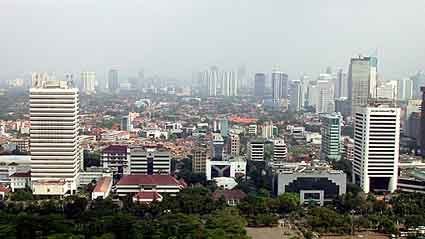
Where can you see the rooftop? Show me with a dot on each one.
(103, 184)
(21, 175)
(116, 148)
(149, 180)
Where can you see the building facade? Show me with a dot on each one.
(260, 85)
(376, 148)
(88, 82)
(331, 137)
(149, 161)
(54, 136)
(279, 86)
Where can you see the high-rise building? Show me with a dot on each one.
(54, 136)
(418, 81)
(343, 106)
(405, 89)
(321, 96)
(256, 150)
(411, 119)
(260, 85)
(200, 156)
(331, 137)
(211, 79)
(268, 130)
(297, 96)
(235, 145)
(113, 82)
(88, 82)
(217, 147)
(341, 84)
(279, 86)
(362, 80)
(376, 148)
(229, 83)
(422, 129)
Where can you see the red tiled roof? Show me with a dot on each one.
(149, 180)
(3, 189)
(21, 174)
(229, 194)
(116, 149)
(151, 195)
(102, 184)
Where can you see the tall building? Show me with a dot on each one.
(54, 136)
(297, 96)
(279, 86)
(211, 79)
(331, 137)
(321, 96)
(405, 89)
(422, 129)
(268, 130)
(113, 83)
(260, 85)
(376, 148)
(229, 83)
(418, 81)
(362, 80)
(217, 147)
(343, 106)
(341, 84)
(200, 156)
(88, 82)
(235, 145)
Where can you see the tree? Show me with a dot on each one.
(226, 223)
(288, 202)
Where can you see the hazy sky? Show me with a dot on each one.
(178, 37)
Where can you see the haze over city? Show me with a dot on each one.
(176, 38)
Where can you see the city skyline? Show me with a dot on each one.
(175, 40)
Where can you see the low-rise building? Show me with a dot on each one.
(103, 188)
(232, 167)
(232, 197)
(133, 184)
(94, 173)
(313, 185)
(20, 180)
(116, 157)
(149, 161)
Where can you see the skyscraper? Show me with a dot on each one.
(331, 137)
(113, 83)
(211, 77)
(418, 80)
(341, 84)
(376, 148)
(260, 84)
(54, 137)
(279, 86)
(297, 96)
(405, 89)
(321, 96)
(229, 84)
(88, 82)
(362, 80)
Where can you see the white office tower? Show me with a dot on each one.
(331, 137)
(88, 82)
(296, 103)
(268, 130)
(280, 151)
(211, 77)
(362, 80)
(229, 84)
(279, 86)
(54, 136)
(405, 89)
(341, 84)
(376, 148)
(321, 95)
